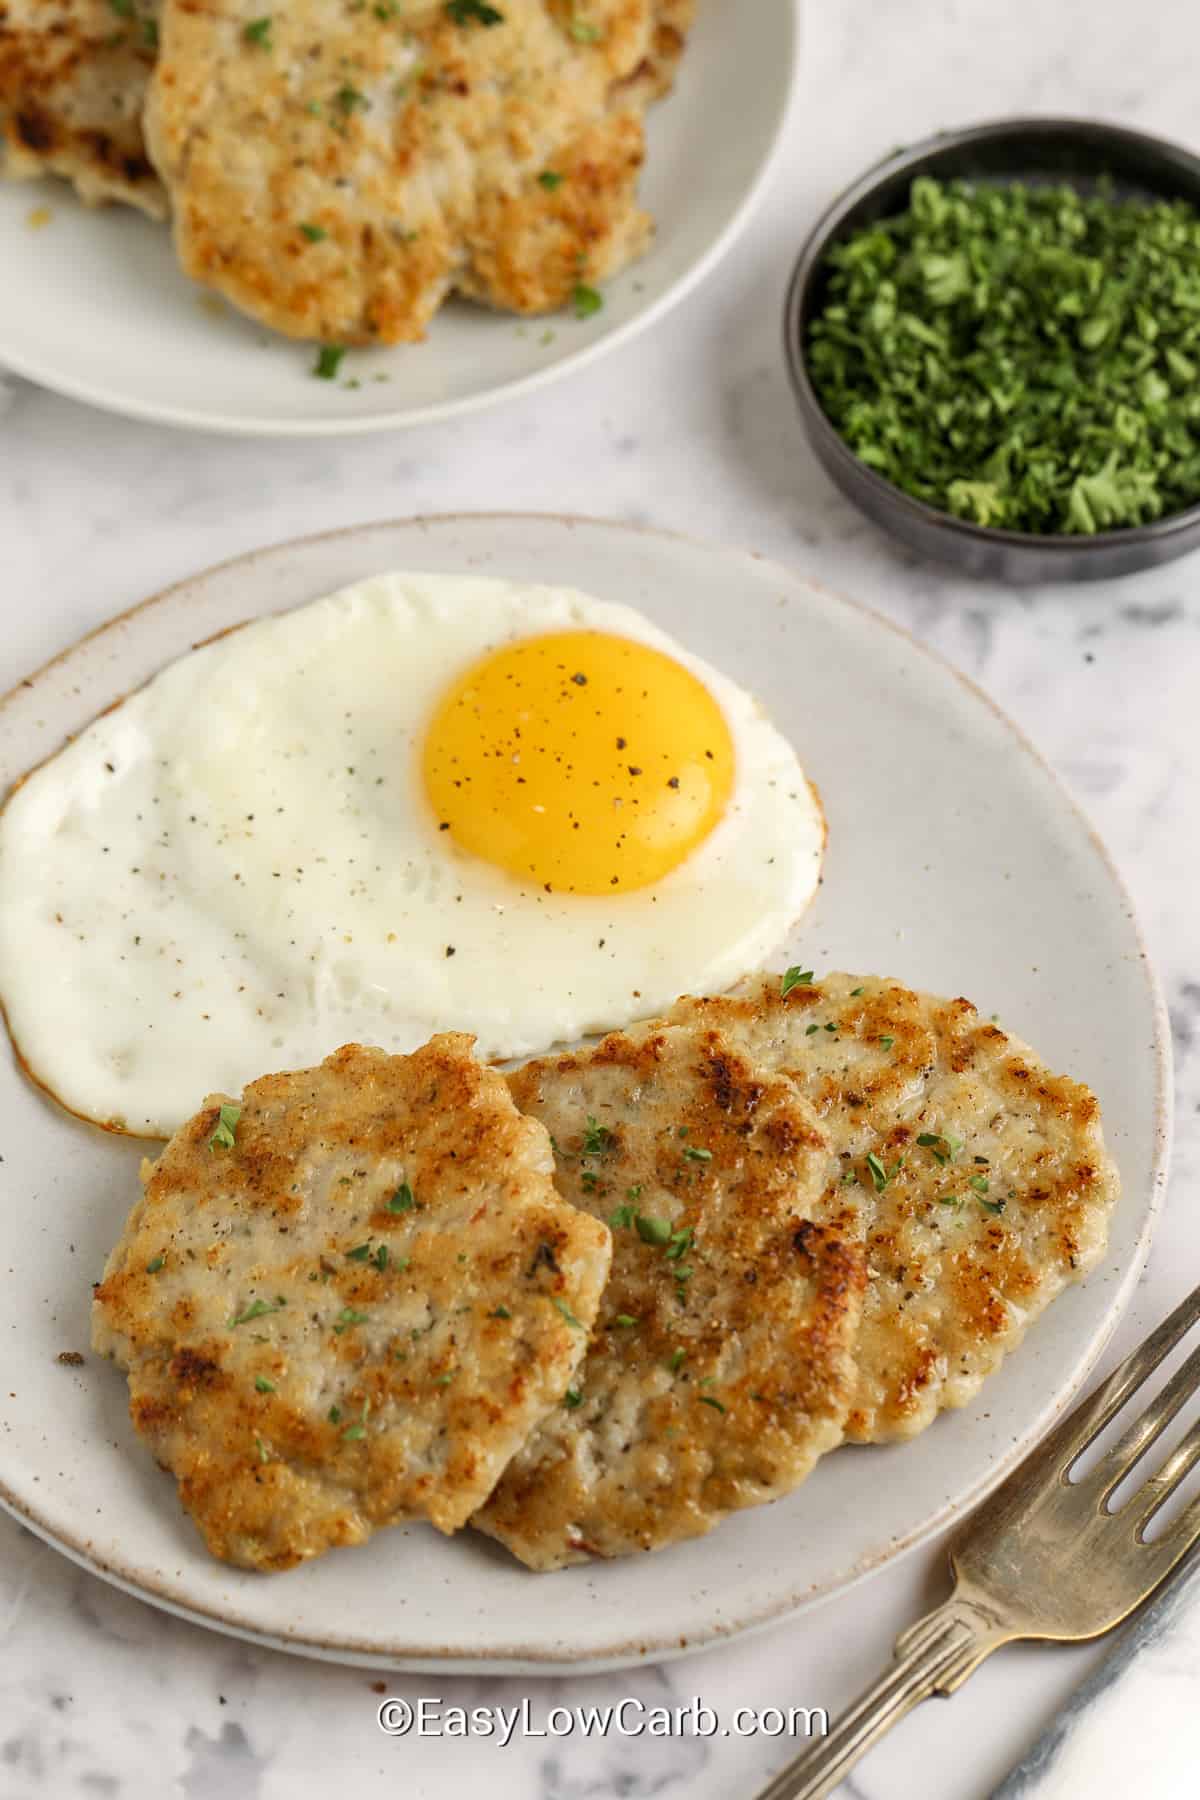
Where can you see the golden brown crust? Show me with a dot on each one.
(354, 1314)
(530, 246)
(73, 76)
(655, 74)
(721, 1364)
(339, 174)
(970, 1235)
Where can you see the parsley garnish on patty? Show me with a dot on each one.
(464, 11)
(224, 1133)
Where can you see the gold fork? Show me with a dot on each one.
(1043, 1558)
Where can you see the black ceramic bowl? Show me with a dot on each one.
(1077, 151)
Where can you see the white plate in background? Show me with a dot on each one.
(956, 862)
(94, 305)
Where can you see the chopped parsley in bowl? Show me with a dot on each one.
(1002, 330)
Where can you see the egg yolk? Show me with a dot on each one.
(588, 763)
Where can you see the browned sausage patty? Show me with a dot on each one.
(721, 1363)
(982, 1179)
(336, 170)
(73, 80)
(349, 1304)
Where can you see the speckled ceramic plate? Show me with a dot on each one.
(94, 305)
(956, 862)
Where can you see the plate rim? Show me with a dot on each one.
(531, 1659)
(103, 399)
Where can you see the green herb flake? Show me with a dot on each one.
(348, 1317)
(653, 1231)
(566, 1312)
(621, 1217)
(500, 1312)
(329, 361)
(258, 1309)
(225, 1130)
(263, 1385)
(586, 300)
(979, 1183)
(464, 12)
(155, 1264)
(258, 31)
(811, 1030)
(550, 179)
(359, 1253)
(597, 1139)
(941, 1149)
(402, 1200)
(264, 1455)
(711, 1400)
(150, 33)
(878, 1173)
(314, 233)
(677, 1359)
(885, 1043)
(794, 978)
(122, 8)
(625, 1321)
(995, 1207)
(694, 1153)
(334, 1415)
(855, 992)
(572, 1398)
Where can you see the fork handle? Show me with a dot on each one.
(934, 1656)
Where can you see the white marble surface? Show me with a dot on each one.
(690, 428)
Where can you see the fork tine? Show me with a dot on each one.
(1112, 1468)
(1080, 1428)
(1063, 1445)
(1181, 1536)
(1162, 1484)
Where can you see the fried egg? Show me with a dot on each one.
(426, 803)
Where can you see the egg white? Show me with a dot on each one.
(237, 870)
